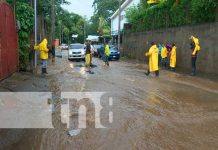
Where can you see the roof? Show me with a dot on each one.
(123, 6)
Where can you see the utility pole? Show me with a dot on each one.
(61, 40)
(35, 26)
(119, 19)
(84, 28)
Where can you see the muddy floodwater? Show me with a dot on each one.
(174, 111)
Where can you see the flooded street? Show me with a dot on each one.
(173, 111)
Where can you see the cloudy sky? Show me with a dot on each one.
(81, 7)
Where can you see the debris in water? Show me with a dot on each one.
(74, 132)
(90, 72)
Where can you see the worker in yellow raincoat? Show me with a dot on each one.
(153, 59)
(195, 47)
(164, 56)
(173, 58)
(42, 47)
(106, 53)
(88, 56)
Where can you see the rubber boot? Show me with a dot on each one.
(193, 72)
(43, 70)
(46, 71)
(147, 73)
(157, 73)
(173, 69)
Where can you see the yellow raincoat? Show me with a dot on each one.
(88, 59)
(107, 50)
(42, 47)
(197, 45)
(164, 52)
(173, 57)
(153, 58)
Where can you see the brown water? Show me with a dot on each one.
(170, 112)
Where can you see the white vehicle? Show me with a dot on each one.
(64, 46)
(76, 51)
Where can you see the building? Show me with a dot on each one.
(115, 18)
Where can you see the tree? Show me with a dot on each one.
(104, 9)
(171, 13)
(26, 22)
(103, 28)
(74, 24)
(64, 22)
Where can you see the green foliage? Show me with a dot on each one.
(26, 22)
(203, 11)
(92, 26)
(168, 13)
(21, 1)
(104, 9)
(25, 14)
(69, 23)
(103, 27)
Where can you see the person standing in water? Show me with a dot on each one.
(153, 59)
(92, 53)
(88, 56)
(42, 47)
(160, 47)
(173, 57)
(164, 57)
(53, 53)
(106, 53)
(195, 47)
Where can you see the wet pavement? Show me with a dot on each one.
(173, 111)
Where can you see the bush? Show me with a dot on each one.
(25, 14)
(169, 13)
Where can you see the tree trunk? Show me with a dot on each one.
(43, 27)
(217, 11)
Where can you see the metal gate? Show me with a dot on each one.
(8, 41)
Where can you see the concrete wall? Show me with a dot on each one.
(135, 45)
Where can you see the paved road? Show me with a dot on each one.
(173, 111)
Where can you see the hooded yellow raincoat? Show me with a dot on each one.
(164, 52)
(153, 58)
(197, 45)
(173, 57)
(42, 47)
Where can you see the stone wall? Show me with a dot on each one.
(136, 44)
